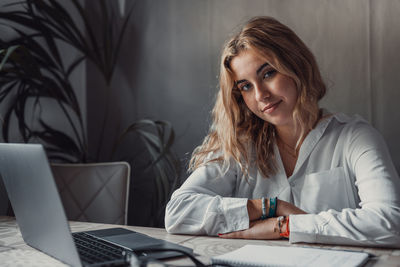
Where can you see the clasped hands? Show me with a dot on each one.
(263, 229)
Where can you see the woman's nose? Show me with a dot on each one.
(262, 92)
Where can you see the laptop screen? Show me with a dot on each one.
(33, 194)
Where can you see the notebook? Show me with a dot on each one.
(40, 215)
(259, 255)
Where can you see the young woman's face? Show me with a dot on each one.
(267, 93)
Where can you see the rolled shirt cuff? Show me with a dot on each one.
(305, 227)
(236, 214)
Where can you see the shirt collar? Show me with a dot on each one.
(315, 135)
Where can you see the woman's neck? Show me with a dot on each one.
(288, 136)
(292, 135)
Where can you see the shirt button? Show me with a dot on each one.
(292, 183)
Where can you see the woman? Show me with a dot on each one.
(276, 165)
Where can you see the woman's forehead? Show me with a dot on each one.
(249, 60)
(263, 55)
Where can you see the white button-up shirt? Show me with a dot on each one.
(344, 178)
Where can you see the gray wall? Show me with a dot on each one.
(170, 61)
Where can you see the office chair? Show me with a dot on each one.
(94, 192)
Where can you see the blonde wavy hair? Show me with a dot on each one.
(236, 133)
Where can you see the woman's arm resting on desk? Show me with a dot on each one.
(203, 204)
(260, 229)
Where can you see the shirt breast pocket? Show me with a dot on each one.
(324, 190)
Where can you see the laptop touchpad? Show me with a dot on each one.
(134, 240)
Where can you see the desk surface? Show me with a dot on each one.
(13, 250)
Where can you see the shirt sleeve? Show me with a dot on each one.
(377, 220)
(204, 204)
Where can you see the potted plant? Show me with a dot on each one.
(33, 75)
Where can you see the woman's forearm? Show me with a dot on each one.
(254, 208)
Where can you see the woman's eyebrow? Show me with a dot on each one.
(266, 64)
(240, 81)
(262, 67)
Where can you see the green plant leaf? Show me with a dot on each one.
(94, 53)
(45, 31)
(74, 64)
(60, 23)
(7, 52)
(121, 36)
(58, 139)
(6, 89)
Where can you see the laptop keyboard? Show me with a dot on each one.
(93, 250)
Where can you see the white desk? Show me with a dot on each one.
(14, 252)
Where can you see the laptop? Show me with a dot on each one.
(40, 215)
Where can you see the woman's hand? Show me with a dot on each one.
(263, 229)
(260, 229)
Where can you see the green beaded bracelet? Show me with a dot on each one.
(272, 207)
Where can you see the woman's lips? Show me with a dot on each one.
(271, 107)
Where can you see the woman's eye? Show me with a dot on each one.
(245, 87)
(269, 74)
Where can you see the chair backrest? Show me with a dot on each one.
(94, 192)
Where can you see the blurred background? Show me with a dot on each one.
(168, 65)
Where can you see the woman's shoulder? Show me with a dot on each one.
(354, 129)
(349, 122)
(348, 127)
